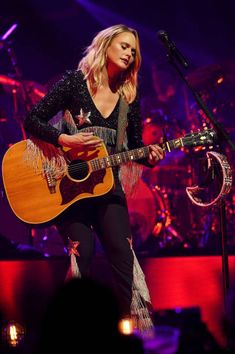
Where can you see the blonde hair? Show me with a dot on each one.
(94, 61)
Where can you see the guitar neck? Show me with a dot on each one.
(132, 155)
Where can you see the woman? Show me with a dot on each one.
(90, 99)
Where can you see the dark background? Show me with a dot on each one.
(51, 35)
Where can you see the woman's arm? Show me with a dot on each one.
(57, 99)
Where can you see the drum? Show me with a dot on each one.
(148, 212)
(13, 108)
(152, 133)
(171, 174)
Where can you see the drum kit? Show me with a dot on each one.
(15, 95)
(162, 214)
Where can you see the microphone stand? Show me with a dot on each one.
(225, 138)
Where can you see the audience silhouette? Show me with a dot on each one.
(83, 316)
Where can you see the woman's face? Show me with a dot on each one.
(121, 52)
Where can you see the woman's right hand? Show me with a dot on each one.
(82, 140)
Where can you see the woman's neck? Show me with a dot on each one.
(111, 80)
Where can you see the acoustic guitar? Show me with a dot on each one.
(36, 197)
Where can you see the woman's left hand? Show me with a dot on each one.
(156, 153)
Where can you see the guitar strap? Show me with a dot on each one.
(122, 123)
(129, 172)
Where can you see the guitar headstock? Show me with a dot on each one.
(203, 137)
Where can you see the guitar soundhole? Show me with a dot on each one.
(78, 169)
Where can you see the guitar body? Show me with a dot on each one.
(28, 192)
(37, 198)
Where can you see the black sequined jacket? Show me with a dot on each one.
(71, 93)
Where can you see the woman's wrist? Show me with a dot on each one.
(62, 139)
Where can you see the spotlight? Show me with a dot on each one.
(13, 333)
(126, 326)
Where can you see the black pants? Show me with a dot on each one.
(108, 216)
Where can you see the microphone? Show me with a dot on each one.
(172, 49)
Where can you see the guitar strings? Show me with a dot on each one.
(116, 158)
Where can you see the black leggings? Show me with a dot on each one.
(108, 216)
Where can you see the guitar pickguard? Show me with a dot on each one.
(70, 189)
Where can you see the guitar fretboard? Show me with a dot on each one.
(132, 155)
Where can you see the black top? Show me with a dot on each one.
(71, 93)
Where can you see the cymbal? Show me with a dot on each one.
(35, 90)
(5, 80)
(213, 75)
(8, 83)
